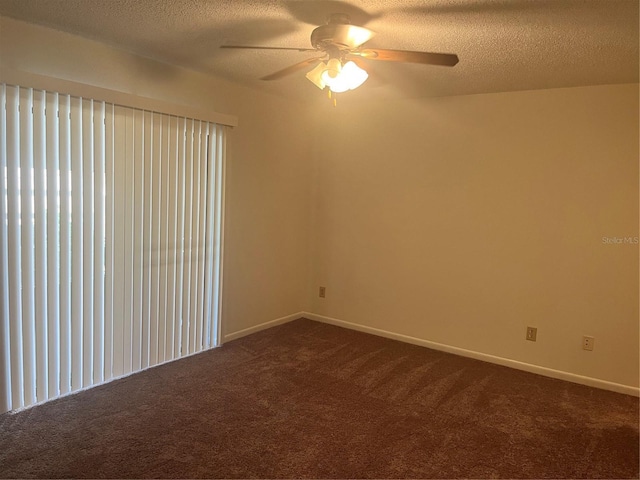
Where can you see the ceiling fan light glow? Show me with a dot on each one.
(339, 84)
(355, 76)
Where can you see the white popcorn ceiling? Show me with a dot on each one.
(503, 45)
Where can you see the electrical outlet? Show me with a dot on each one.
(587, 343)
(322, 291)
(532, 333)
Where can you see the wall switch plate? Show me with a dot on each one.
(587, 343)
(322, 291)
(532, 333)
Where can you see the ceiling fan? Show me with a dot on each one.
(341, 47)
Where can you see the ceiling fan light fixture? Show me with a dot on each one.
(339, 40)
(350, 77)
(337, 77)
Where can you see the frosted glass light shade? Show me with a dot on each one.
(337, 77)
(332, 72)
(355, 76)
(315, 75)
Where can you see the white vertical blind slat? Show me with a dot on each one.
(99, 241)
(138, 168)
(53, 244)
(146, 226)
(40, 236)
(77, 245)
(178, 247)
(121, 334)
(199, 241)
(88, 218)
(5, 318)
(109, 241)
(219, 228)
(188, 325)
(203, 231)
(172, 241)
(157, 324)
(15, 246)
(166, 280)
(27, 218)
(64, 118)
(209, 237)
(180, 327)
(129, 246)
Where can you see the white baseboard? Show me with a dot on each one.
(263, 326)
(527, 367)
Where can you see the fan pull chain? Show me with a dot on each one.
(335, 99)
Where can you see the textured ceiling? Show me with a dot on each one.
(503, 45)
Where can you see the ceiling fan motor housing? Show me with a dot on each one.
(339, 34)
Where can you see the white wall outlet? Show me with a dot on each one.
(532, 333)
(322, 291)
(587, 343)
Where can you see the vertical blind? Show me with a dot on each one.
(110, 241)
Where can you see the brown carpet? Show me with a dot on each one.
(312, 400)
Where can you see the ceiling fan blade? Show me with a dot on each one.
(427, 58)
(248, 47)
(292, 69)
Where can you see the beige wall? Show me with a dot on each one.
(462, 220)
(267, 203)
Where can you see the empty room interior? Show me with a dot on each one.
(319, 239)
